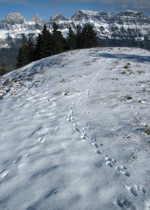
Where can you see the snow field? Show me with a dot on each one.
(75, 132)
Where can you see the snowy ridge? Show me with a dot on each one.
(129, 27)
(77, 132)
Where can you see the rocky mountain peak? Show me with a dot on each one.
(36, 18)
(14, 18)
(80, 15)
(57, 17)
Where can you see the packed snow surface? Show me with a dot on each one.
(75, 132)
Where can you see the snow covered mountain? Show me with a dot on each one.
(124, 28)
(75, 132)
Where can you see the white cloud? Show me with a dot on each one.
(138, 5)
(143, 6)
(133, 4)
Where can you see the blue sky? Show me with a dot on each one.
(68, 8)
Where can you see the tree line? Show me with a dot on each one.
(51, 43)
(3, 70)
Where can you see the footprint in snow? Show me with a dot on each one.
(83, 136)
(42, 140)
(4, 173)
(135, 190)
(123, 170)
(97, 151)
(125, 204)
(109, 161)
(17, 160)
(76, 129)
(100, 144)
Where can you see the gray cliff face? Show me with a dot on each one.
(112, 28)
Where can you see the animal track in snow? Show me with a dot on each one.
(123, 170)
(83, 136)
(123, 203)
(109, 161)
(4, 173)
(17, 160)
(97, 151)
(42, 140)
(134, 190)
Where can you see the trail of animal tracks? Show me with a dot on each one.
(75, 132)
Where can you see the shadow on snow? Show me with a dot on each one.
(135, 58)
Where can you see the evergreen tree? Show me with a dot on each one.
(57, 39)
(39, 51)
(84, 36)
(44, 44)
(31, 50)
(24, 55)
(3, 70)
(91, 37)
(71, 40)
(87, 37)
(78, 37)
(47, 42)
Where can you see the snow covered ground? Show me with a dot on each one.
(75, 132)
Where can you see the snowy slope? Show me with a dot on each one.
(75, 132)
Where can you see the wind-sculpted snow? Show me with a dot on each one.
(75, 132)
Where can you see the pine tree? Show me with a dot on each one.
(84, 38)
(78, 37)
(39, 50)
(87, 37)
(71, 40)
(3, 70)
(57, 39)
(91, 37)
(24, 55)
(47, 41)
(31, 50)
(44, 44)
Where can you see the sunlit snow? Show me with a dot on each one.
(75, 132)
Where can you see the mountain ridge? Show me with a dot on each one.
(126, 28)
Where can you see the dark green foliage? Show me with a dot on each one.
(31, 50)
(85, 37)
(91, 37)
(3, 70)
(78, 37)
(71, 40)
(44, 44)
(88, 37)
(39, 48)
(48, 44)
(57, 40)
(24, 54)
